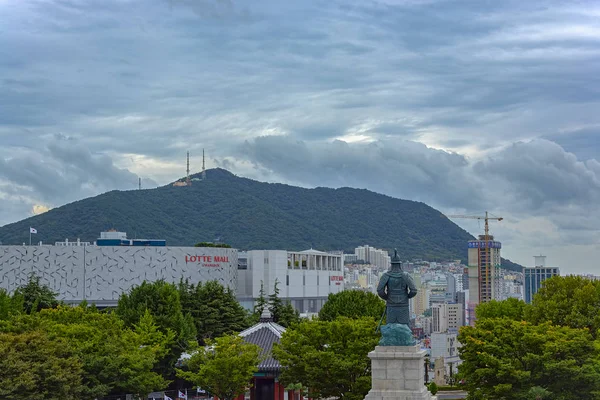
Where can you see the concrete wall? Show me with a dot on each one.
(109, 271)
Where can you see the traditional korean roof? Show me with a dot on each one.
(264, 335)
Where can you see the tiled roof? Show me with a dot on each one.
(264, 334)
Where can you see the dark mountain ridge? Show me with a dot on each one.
(248, 214)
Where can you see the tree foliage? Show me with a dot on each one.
(510, 308)
(36, 296)
(329, 357)
(261, 302)
(352, 304)
(9, 305)
(568, 301)
(224, 367)
(283, 311)
(504, 359)
(162, 300)
(36, 367)
(213, 308)
(113, 359)
(210, 244)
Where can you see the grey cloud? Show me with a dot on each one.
(584, 142)
(62, 171)
(155, 79)
(536, 178)
(543, 174)
(395, 167)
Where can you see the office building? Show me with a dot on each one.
(447, 317)
(535, 276)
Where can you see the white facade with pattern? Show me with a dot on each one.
(99, 274)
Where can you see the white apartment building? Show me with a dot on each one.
(305, 278)
(445, 344)
(376, 257)
(447, 317)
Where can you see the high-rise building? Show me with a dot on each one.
(536, 275)
(447, 316)
(451, 285)
(484, 265)
(420, 302)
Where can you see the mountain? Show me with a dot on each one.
(254, 215)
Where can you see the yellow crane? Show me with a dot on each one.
(486, 218)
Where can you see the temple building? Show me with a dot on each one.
(265, 385)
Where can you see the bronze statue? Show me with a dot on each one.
(396, 287)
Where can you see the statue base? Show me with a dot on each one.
(398, 373)
(396, 335)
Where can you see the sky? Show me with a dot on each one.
(468, 106)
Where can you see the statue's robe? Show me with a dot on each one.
(396, 287)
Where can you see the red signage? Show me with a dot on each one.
(337, 279)
(207, 261)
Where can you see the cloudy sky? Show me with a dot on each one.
(465, 105)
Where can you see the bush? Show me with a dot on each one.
(433, 388)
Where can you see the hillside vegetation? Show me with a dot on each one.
(254, 215)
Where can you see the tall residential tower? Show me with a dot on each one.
(484, 264)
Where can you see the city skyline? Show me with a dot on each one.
(468, 108)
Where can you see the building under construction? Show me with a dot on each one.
(483, 267)
(484, 264)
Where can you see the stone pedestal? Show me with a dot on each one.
(398, 374)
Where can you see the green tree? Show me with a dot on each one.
(36, 296)
(283, 311)
(35, 367)
(329, 357)
(352, 304)
(224, 367)
(261, 302)
(568, 301)
(504, 359)
(113, 359)
(213, 308)
(209, 244)
(511, 308)
(162, 300)
(10, 305)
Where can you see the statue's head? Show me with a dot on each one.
(396, 263)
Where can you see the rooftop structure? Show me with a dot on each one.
(114, 238)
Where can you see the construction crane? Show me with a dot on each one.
(486, 219)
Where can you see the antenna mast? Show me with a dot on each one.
(187, 179)
(140, 183)
(203, 167)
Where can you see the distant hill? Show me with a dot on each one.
(254, 215)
